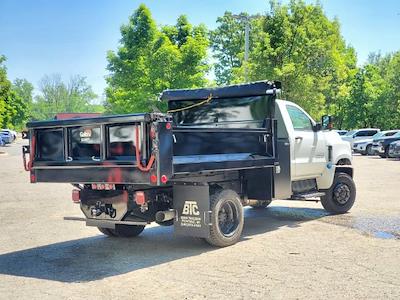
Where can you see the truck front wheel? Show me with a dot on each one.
(226, 218)
(341, 196)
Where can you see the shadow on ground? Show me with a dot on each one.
(98, 257)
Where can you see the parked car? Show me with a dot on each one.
(8, 136)
(341, 132)
(364, 146)
(2, 143)
(12, 133)
(359, 134)
(381, 145)
(394, 149)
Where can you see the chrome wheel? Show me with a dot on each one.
(341, 193)
(228, 219)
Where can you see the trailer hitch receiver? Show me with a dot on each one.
(100, 208)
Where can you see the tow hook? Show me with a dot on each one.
(100, 208)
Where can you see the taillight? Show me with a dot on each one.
(76, 196)
(168, 126)
(140, 198)
(164, 179)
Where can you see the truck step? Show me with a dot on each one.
(307, 195)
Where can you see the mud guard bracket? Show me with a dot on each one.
(192, 204)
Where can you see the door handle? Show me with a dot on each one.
(298, 138)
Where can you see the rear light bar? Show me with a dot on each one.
(103, 186)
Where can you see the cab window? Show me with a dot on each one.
(299, 119)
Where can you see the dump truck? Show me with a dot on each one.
(195, 167)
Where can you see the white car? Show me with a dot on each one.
(359, 134)
(364, 146)
(12, 133)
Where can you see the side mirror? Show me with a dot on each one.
(327, 122)
(317, 127)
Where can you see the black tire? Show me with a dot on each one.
(386, 154)
(106, 231)
(369, 150)
(227, 218)
(127, 231)
(387, 151)
(166, 223)
(261, 204)
(340, 198)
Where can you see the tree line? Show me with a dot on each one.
(295, 43)
(18, 105)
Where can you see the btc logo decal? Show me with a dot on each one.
(190, 208)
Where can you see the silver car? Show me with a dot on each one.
(365, 146)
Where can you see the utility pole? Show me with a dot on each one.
(246, 20)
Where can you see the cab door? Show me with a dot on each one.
(309, 146)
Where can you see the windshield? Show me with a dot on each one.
(397, 134)
(378, 134)
(351, 132)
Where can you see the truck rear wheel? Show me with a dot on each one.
(123, 230)
(261, 204)
(226, 218)
(106, 231)
(341, 196)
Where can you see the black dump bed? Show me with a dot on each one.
(206, 130)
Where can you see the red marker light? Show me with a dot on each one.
(164, 179)
(168, 126)
(33, 178)
(153, 178)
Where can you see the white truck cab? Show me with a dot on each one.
(317, 154)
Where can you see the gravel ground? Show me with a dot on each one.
(292, 250)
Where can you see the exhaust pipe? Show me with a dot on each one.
(166, 215)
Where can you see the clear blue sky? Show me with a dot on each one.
(72, 37)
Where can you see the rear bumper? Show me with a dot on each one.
(359, 148)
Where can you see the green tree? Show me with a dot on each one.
(23, 90)
(5, 87)
(57, 97)
(301, 47)
(150, 60)
(14, 109)
(296, 44)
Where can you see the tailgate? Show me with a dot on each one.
(117, 149)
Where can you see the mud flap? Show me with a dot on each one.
(192, 205)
